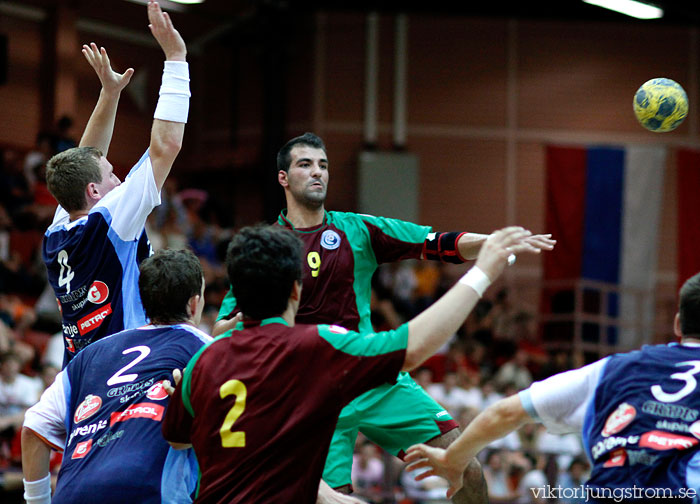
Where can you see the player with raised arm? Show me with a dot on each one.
(260, 406)
(97, 238)
(341, 253)
(104, 409)
(637, 413)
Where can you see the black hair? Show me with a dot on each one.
(169, 278)
(263, 262)
(690, 306)
(284, 157)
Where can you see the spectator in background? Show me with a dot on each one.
(14, 188)
(496, 474)
(367, 471)
(424, 377)
(572, 479)
(39, 155)
(17, 393)
(515, 371)
(490, 393)
(453, 397)
(64, 140)
(533, 479)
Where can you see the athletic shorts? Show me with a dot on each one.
(394, 417)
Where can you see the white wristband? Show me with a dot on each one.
(476, 279)
(39, 491)
(174, 100)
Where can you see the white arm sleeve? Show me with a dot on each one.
(130, 204)
(560, 401)
(47, 417)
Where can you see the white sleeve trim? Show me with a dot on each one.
(47, 417)
(561, 400)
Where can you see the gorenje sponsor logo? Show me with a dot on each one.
(619, 419)
(90, 405)
(94, 319)
(87, 429)
(150, 411)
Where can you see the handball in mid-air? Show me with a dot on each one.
(660, 105)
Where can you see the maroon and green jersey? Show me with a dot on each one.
(340, 257)
(260, 406)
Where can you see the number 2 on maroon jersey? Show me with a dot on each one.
(229, 438)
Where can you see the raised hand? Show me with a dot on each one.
(165, 33)
(542, 241)
(499, 245)
(112, 82)
(435, 459)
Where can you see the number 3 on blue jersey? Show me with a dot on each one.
(66, 274)
(687, 376)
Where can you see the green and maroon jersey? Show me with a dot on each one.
(260, 406)
(340, 257)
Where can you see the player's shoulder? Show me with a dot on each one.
(194, 332)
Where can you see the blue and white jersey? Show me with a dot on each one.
(104, 411)
(93, 261)
(639, 416)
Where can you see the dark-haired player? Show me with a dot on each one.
(637, 413)
(105, 408)
(341, 253)
(259, 406)
(97, 239)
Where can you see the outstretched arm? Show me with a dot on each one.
(469, 244)
(173, 105)
(432, 328)
(100, 126)
(493, 423)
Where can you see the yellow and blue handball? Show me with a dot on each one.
(660, 105)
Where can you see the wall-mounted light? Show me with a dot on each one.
(639, 10)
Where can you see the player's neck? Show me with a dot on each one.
(78, 214)
(302, 216)
(289, 314)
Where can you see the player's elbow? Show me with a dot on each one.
(165, 145)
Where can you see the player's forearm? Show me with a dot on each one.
(493, 423)
(166, 142)
(100, 127)
(469, 244)
(432, 328)
(35, 456)
(169, 119)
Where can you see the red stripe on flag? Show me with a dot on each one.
(566, 187)
(688, 214)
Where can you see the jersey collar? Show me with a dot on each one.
(283, 221)
(264, 322)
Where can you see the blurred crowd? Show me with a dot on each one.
(496, 353)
